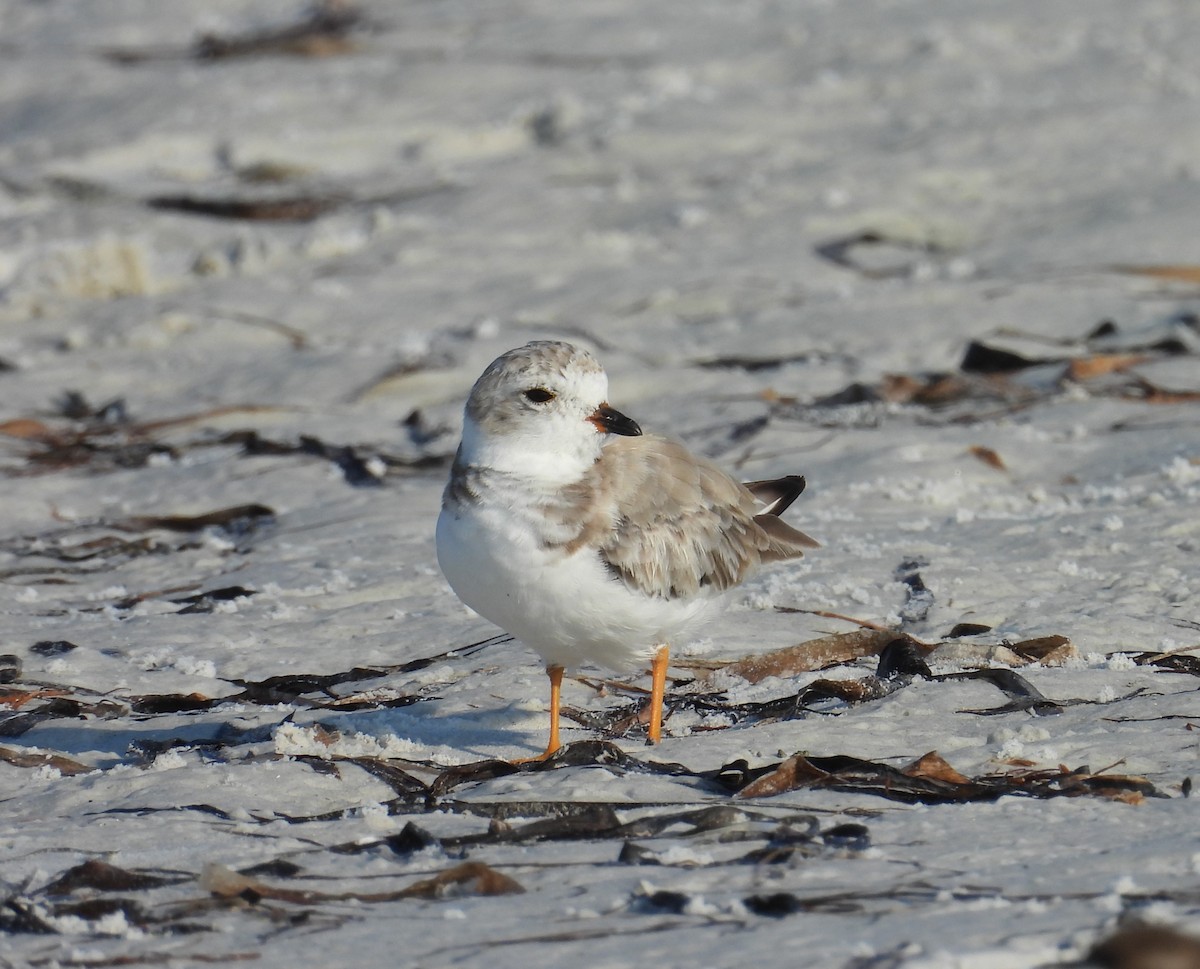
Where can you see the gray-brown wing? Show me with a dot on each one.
(671, 524)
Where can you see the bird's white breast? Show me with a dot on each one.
(565, 605)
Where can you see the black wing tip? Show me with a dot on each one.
(778, 493)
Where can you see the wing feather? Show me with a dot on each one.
(671, 524)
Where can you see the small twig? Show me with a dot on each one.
(864, 623)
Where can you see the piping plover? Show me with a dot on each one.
(584, 538)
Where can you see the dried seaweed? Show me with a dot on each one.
(207, 601)
(357, 470)
(323, 32)
(52, 647)
(811, 655)
(275, 205)
(238, 521)
(1173, 662)
(847, 253)
(286, 209)
(98, 442)
(1103, 360)
(103, 877)
(1143, 946)
(751, 364)
(917, 784)
(468, 878)
(64, 765)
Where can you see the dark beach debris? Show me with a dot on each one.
(1172, 662)
(357, 471)
(273, 868)
(1047, 650)
(1103, 361)
(325, 31)
(660, 901)
(466, 879)
(283, 209)
(290, 204)
(10, 668)
(754, 364)
(988, 457)
(50, 704)
(155, 704)
(653, 901)
(98, 447)
(66, 766)
(918, 599)
(204, 602)
(984, 359)
(52, 647)
(103, 877)
(930, 780)
(903, 658)
(968, 629)
(72, 404)
(412, 838)
(91, 542)
(238, 521)
(776, 905)
(22, 708)
(1145, 946)
(1023, 695)
(876, 255)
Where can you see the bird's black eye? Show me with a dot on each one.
(538, 395)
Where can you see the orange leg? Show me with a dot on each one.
(556, 677)
(658, 688)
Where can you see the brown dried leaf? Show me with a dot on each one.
(1150, 394)
(1047, 650)
(899, 388)
(1177, 273)
(1125, 797)
(237, 520)
(227, 883)
(103, 877)
(934, 765)
(26, 428)
(790, 774)
(812, 655)
(988, 457)
(14, 699)
(469, 878)
(1088, 368)
(64, 765)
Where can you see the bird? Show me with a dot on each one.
(586, 539)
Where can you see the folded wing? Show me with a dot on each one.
(670, 524)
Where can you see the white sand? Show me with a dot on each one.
(694, 158)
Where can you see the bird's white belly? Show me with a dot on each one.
(567, 607)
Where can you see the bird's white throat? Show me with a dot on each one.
(551, 453)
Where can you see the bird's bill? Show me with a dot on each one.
(612, 421)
